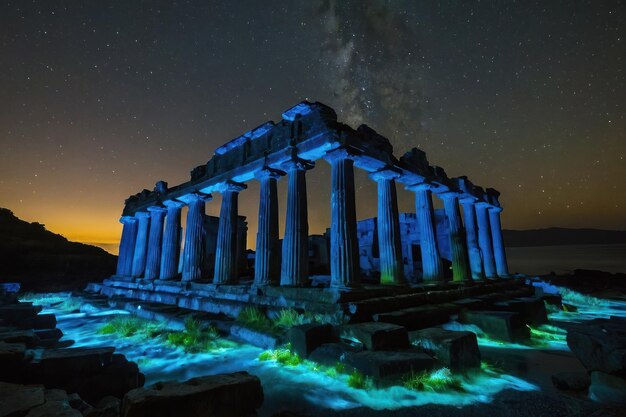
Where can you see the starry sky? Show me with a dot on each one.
(100, 99)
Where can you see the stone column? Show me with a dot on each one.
(127, 246)
(226, 249)
(191, 268)
(484, 239)
(171, 240)
(153, 261)
(141, 244)
(475, 259)
(267, 259)
(294, 270)
(460, 264)
(389, 239)
(499, 252)
(432, 268)
(344, 245)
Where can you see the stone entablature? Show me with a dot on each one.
(306, 133)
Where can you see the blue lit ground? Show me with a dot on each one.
(525, 371)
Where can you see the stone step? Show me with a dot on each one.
(531, 309)
(421, 317)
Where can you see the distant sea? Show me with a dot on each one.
(537, 260)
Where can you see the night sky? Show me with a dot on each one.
(100, 99)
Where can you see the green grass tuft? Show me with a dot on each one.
(289, 318)
(439, 380)
(490, 368)
(254, 318)
(359, 381)
(127, 327)
(283, 356)
(196, 339)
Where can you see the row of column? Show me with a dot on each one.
(151, 250)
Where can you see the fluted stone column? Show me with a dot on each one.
(294, 269)
(226, 249)
(191, 268)
(432, 268)
(141, 244)
(484, 239)
(499, 252)
(171, 240)
(153, 261)
(127, 246)
(460, 263)
(267, 259)
(344, 245)
(389, 239)
(471, 234)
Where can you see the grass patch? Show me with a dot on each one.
(435, 381)
(254, 318)
(357, 380)
(130, 326)
(289, 318)
(283, 356)
(490, 368)
(194, 338)
(547, 333)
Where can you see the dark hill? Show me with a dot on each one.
(42, 260)
(558, 236)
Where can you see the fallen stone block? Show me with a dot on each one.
(330, 354)
(388, 366)
(70, 362)
(376, 336)
(236, 394)
(16, 400)
(27, 337)
(571, 381)
(457, 350)
(501, 325)
(307, 337)
(531, 310)
(600, 345)
(608, 389)
(54, 408)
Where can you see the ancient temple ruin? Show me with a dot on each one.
(150, 256)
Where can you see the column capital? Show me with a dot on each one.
(420, 186)
(297, 164)
(495, 209)
(195, 196)
(157, 209)
(268, 172)
(448, 194)
(232, 186)
(173, 204)
(340, 153)
(142, 214)
(127, 219)
(465, 200)
(483, 204)
(387, 173)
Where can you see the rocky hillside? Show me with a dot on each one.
(42, 260)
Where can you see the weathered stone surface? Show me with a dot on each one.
(255, 337)
(10, 352)
(237, 394)
(607, 388)
(501, 325)
(330, 354)
(75, 361)
(571, 381)
(457, 350)
(376, 336)
(26, 337)
(305, 338)
(600, 345)
(77, 403)
(419, 317)
(54, 408)
(531, 309)
(18, 399)
(389, 365)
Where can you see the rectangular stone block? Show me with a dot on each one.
(376, 336)
(457, 350)
(501, 325)
(305, 338)
(419, 317)
(389, 365)
(532, 310)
